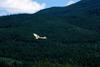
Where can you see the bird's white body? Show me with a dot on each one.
(36, 36)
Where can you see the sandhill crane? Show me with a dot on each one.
(36, 36)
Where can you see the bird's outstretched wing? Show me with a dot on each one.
(36, 36)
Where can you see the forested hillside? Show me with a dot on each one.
(73, 37)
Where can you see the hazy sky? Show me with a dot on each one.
(29, 6)
(51, 3)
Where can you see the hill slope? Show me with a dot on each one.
(72, 34)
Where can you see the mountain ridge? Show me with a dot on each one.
(72, 33)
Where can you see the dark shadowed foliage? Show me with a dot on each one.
(73, 36)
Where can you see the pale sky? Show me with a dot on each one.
(30, 6)
(51, 3)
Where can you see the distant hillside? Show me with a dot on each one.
(72, 33)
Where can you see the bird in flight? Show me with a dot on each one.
(36, 36)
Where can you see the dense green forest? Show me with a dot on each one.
(73, 37)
